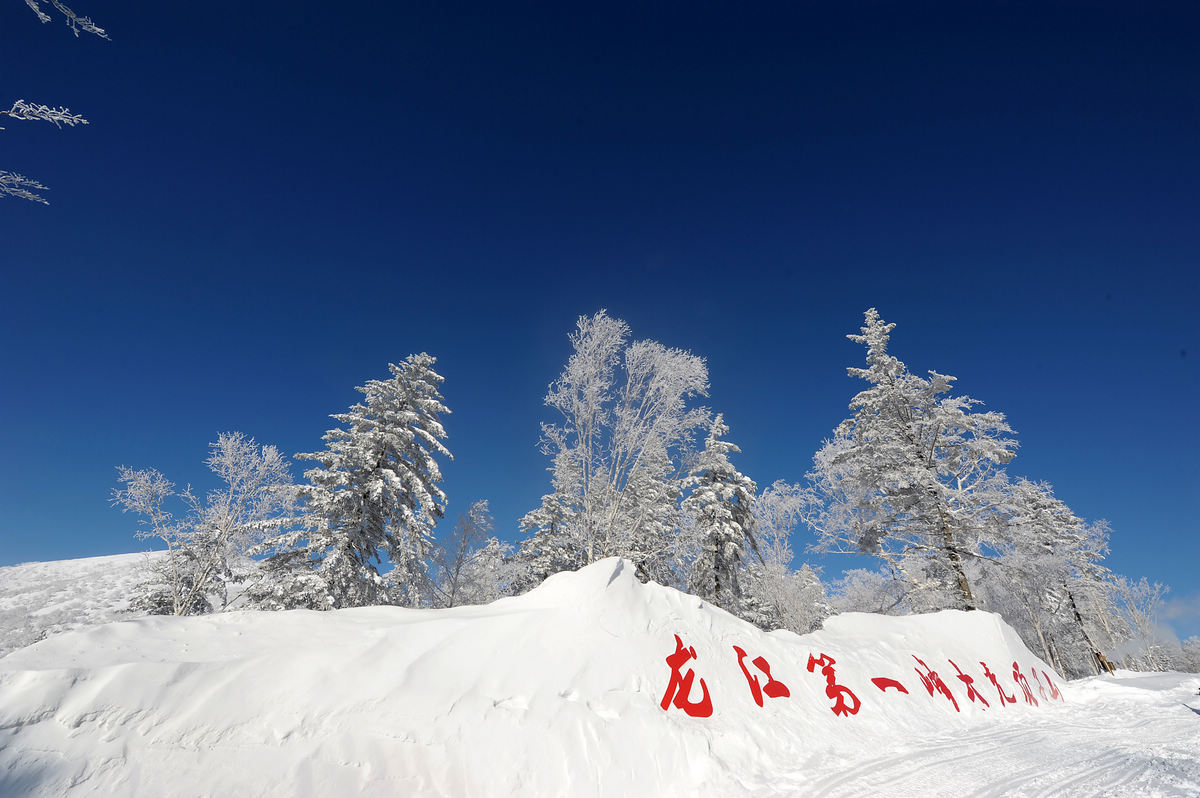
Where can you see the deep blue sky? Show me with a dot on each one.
(274, 200)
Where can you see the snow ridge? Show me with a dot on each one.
(556, 692)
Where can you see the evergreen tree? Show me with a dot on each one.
(912, 477)
(373, 493)
(720, 503)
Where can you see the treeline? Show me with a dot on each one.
(916, 478)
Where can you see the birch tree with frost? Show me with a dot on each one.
(775, 595)
(1049, 562)
(470, 565)
(619, 451)
(208, 545)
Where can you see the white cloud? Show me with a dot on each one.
(1183, 613)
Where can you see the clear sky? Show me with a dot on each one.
(273, 201)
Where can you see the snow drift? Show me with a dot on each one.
(559, 691)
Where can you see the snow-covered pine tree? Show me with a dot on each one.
(912, 476)
(626, 429)
(550, 545)
(374, 492)
(648, 521)
(720, 504)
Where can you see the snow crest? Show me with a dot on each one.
(556, 692)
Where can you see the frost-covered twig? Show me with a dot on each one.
(33, 111)
(15, 185)
(75, 22)
(11, 183)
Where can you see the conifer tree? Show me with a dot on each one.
(373, 493)
(912, 477)
(721, 505)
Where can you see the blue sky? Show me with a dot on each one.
(274, 201)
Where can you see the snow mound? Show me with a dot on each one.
(560, 691)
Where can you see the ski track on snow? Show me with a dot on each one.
(1099, 749)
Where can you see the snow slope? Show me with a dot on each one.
(44, 598)
(560, 692)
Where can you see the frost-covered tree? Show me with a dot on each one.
(774, 595)
(1190, 655)
(470, 565)
(373, 493)
(1048, 561)
(618, 452)
(207, 546)
(720, 505)
(1148, 645)
(860, 590)
(17, 185)
(912, 477)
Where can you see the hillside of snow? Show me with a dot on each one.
(592, 684)
(41, 599)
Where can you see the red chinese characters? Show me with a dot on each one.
(1024, 685)
(972, 693)
(884, 684)
(1038, 682)
(1054, 692)
(773, 688)
(1009, 699)
(763, 684)
(839, 693)
(679, 688)
(934, 682)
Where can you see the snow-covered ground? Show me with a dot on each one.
(44, 598)
(561, 692)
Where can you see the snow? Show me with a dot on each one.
(558, 692)
(45, 598)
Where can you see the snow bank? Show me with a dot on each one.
(556, 692)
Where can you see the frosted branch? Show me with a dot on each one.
(15, 185)
(42, 15)
(34, 111)
(75, 22)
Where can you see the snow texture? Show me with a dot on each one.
(44, 598)
(558, 692)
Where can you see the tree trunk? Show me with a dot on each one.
(1055, 660)
(1037, 627)
(1095, 658)
(964, 587)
